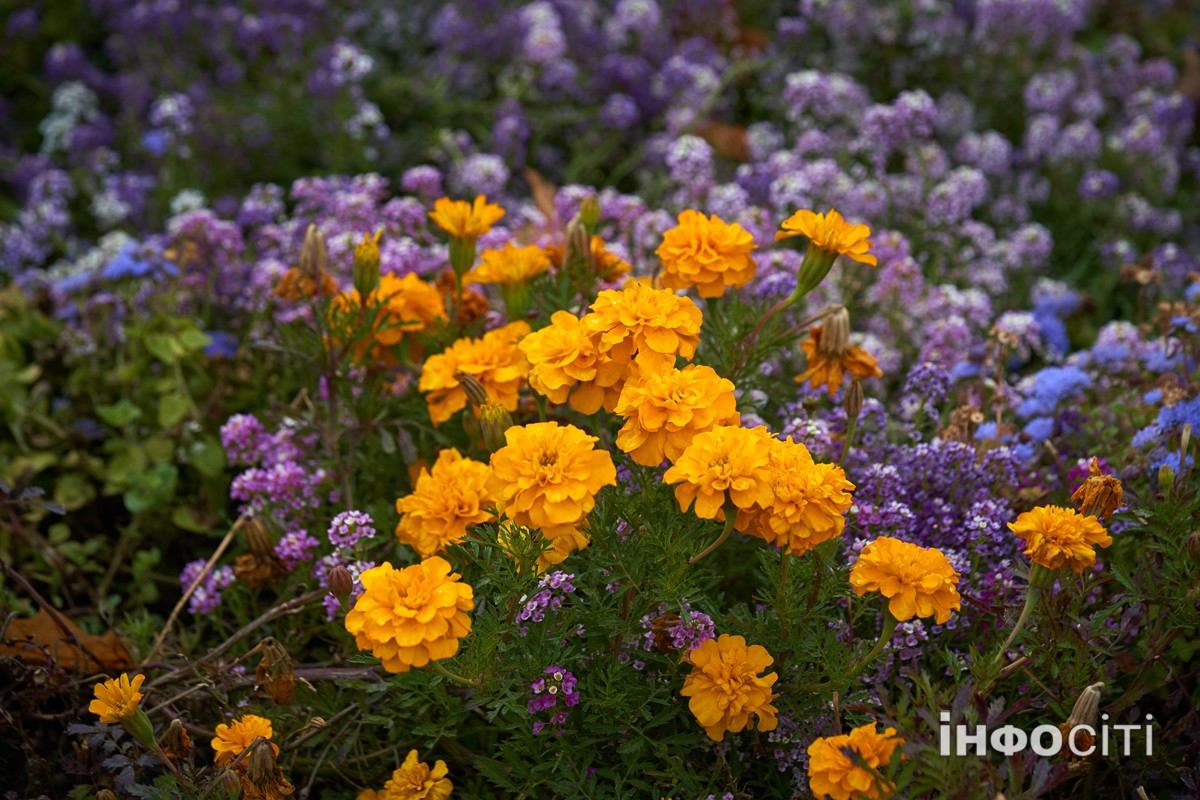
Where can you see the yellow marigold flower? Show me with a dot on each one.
(562, 357)
(810, 500)
(917, 581)
(725, 687)
(547, 477)
(707, 253)
(409, 617)
(416, 781)
(465, 220)
(510, 264)
(665, 410)
(832, 773)
(831, 233)
(494, 360)
(607, 265)
(726, 461)
(445, 503)
(406, 305)
(829, 369)
(646, 325)
(231, 740)
(1059, 537)
(117, 698)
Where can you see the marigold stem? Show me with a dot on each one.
(1032, 594)
(730, 519)
(885, 636)
(437, 667)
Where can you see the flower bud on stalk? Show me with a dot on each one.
(1166, 477)
(589, 214)
(258, 538)
(176, 743)
(366, 264)
(341, 582)
(494, 420)
(313, 257)
(1193, 547)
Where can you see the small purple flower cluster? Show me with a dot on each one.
(207, 596)
(349, 528)
(555, 684)
(553, 589)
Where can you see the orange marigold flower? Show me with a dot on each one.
(646, 325)
(726, 462)
(832, 773)
(117, 698)
(409, 617)
(416, 781)
(725, 687)
(917, 581)
(445, 503)
(405, 305)
(547, 477)
(707, 253)
(1059, 537)
(831, 233)
(510, 264)
(607, 265)
(563, 357)
(494, 360)
(370, 794)
(665, 410)
(295, 285)
(465, 220)
(810, 500)
(232, 739)
(829, 369)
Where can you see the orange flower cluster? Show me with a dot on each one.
(414, 780)
(833, 773)
(232, 739)
(707, 253)
(727, 462)
(828, 369)
(636, 330)
(725, 686)
(409, 617)
(917, 581)
(809, 502)
(664, 411)
(510, 264)
(465, 220)
(494, 360)
(1058, 537)
(547, 477)
(406, 306)
(446, 502)
(607, 265)
(831, 233)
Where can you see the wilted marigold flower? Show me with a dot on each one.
(510, 264)
(917, 581)
(547, 477)
(409, 617)
(416, 781)
(232, 739)
(832, 773)
(664, 411)
(831, 233)
(1059, 537)
(494, 360)
(727, 461)
(810, 500)
(828, 369)
(707, 253)
(646, 325)
(725, 686)
(1100, 494)
(445, 503)
(117, 698)
(465, 220)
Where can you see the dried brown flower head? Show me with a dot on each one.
(1100, 494)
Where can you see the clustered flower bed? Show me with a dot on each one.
(683, 399)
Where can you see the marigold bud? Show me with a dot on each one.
(476, 393)
(589, 213)
(835, 332)
(313, 255)
(1166, 477)
(366, 264)
(175, 742)
(854, 400)
(258, 538)
(1087, 707)
(105, 794)
(1193, 547)
(261, 769)
(494, 420)
(231, 783)
(341, 583)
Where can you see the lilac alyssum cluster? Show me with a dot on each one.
(554, 685)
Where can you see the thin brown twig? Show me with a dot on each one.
(191, 589)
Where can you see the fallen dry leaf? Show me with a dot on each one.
(543, 196)
(33, 638)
